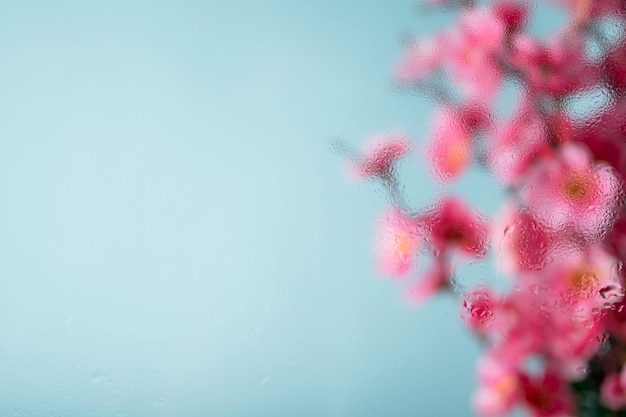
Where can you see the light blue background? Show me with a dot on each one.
(176, 237)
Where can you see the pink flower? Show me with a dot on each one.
(380, 154)
(397, 243)
(557, 68)
(453, 226)
(612, 392)
(450, 149)
(523, 244)
(512, 14)
(547, 395)
(571, 190)
(435, 279)
(499, 388)
(516, 144)
(420, 60)
(471, 53)
(479, 311)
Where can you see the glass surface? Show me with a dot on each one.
(176, 236)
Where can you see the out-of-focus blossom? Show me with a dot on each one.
(570, 189)
(380, 154)
(479, 310)
(547, 395)
(471, 54)
(450, 149)
(561, 237)
(612, 392)
(453, 226)
(498, 388)
(556, 68)
(523, 244)
(434, 279)
(397, 243)
(513, 14)
(516, 143)
(420, 60)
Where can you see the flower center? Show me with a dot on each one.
(576, 187)
(456, 155)
(506, 385)
(582, 282)
(405, 243)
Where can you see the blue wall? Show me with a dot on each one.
(176, 237)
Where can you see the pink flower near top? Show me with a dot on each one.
(420, 60)
(397, 243)
(556, 68)
(471, 54)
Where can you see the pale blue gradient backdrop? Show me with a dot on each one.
(176, 237)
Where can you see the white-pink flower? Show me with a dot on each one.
(397, 243)
(571, 190)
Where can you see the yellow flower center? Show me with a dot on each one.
(405, 244)
(576, 187)
(506, 385)
(583, 281)
(456, 155)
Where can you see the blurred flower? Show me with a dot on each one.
(454, 227)
(381, 152)
(570, 189)
(471, 53)
(397, 243)
(450, 150)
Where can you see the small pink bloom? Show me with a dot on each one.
(420, 60)
(547, 395)
(557, 68)
(397, 243)
(380, 154)
(512, 14)
(453, 226)
(612, 392)
(498, 390)
(479, 311)
(523, 244)
(516, 144)
(571, 190)
(435, 279)
(471, 54)
(450, 150)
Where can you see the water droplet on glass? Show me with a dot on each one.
(582, 370)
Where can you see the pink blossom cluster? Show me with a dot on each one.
(560, 237)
